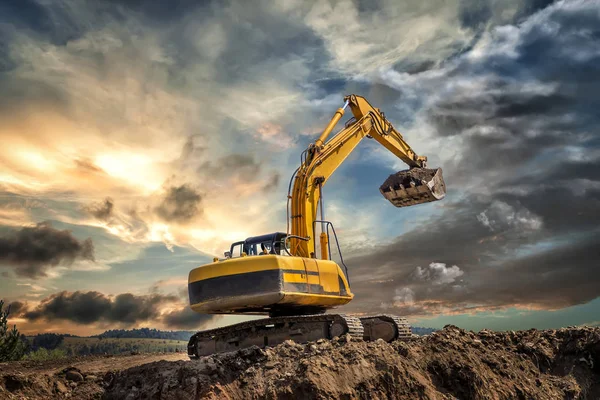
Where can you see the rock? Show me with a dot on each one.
(74, 375)
(91, 378)
(268, 352)
(14, 382)
(345, 338)
(108, 379)
(60, 387)
(73, 384)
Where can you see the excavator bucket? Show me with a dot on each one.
(414, 186)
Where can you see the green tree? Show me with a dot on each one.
(12, 348)
(48, 341)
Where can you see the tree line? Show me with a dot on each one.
(15, 346)
(146, 333)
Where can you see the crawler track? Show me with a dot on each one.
(272, 331)
(386, 327)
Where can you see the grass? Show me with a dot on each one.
(42, 354)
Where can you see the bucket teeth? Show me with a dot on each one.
(414, 186)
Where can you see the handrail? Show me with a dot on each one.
(328, 224)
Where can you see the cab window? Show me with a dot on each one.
(251, 249)
(236, 250)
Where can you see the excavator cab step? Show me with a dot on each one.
(414, 186)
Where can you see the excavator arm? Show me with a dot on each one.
(324, 156)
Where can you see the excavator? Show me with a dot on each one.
(290, 276)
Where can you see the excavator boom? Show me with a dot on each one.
(405, 188)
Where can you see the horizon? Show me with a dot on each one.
(142, 140)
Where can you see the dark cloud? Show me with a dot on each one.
(180, 204)
(17, 308)
(58, 22)
(79, 307)
(474, 13)
(31, 251)
(125, 309)
(414, 66)
(503, 260)
(130, 308)
(186, 318)
(191, 149)
(243, 166)
(272, 182)
(102, 210)
(160, 11)
(529, 7)
(521, 219)
(512, 106)
(90, 307)
(87, 165)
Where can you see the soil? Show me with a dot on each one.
(405, 177)
(48, 379)
(448, 364)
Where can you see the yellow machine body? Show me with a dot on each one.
(268, 284)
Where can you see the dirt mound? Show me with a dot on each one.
(405, 177)
(449, 364)
(84, 377)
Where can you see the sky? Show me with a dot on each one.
(139, 139)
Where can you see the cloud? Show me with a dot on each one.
(185, 318)
(240, 166)
(17, 308)
(181, 204)
(123, 105)
(438, 273)
(33, 251)
(241, 174)
(500, 215)
(89, 307)
(125, 309)
(404, 297)
(412, 30)
(518, 142)
(103, 210)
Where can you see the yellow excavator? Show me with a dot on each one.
(280, 274)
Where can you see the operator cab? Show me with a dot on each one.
(273, 243)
